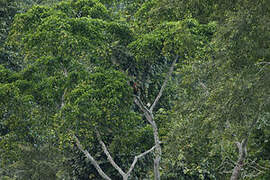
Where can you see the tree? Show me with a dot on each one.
(220, 104)
(83, 43)
(201, 101)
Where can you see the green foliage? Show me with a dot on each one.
(84, 8)
(224, 91)
(66, 68)
(45, 163)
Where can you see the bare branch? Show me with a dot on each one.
(93, 161)
(63, 99)
(164, 84)
(204, 87)
(242, 148)
(147, 113)
(65, 91)
(238, 144)
(268, 63)
(252, 125)
(137, 157)
(65, 72)
(109, 157)
(139, 102)
(242, 152)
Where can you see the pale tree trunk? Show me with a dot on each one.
(105, 150)
(242, 153)
(157, 152)
(150, 117)
(148, 113)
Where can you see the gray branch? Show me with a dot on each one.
(93, 161)
(124, 175)
(137, 157)
(267, 63)
(164, 84)
(242, 153)
(109, 157)
(149, 115)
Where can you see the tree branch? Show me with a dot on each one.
(64, 94)
(164, 84)
(242, 148)
(63, 99)
(267, 63)
(109, 157)
(242, 152)
(137, 157)
(93, 161)
(139, 102)
(147, 113)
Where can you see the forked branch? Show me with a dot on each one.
(138, 157)
(144, 109)
(124, 175)
(242, 152)
(109, 157)
(93, 161)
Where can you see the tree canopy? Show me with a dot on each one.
(157, 89)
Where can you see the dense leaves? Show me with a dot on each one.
(71, 67)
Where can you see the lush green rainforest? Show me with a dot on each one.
(142, 89)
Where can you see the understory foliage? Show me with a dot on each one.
(73, 68)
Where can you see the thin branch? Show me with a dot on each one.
(264, 63)
(204, 87)
(109, 157)
(65, 91)
(65, 72)
(147, 113)
(141, 105)
(252, 125)
(164, 84)
(225, 161)
(63, 99)
(137, 157)
(93, 161)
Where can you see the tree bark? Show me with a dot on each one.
(93, 161)
(110, 159)
(242, 152)
(242, 149)
(157, 152)
(150, 118)
(148, 113)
